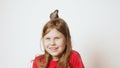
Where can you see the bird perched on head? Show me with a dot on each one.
(54, 14)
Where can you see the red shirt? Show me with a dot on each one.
(74, 60)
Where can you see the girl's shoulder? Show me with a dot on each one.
(74, 53)
(39, 58)
(74, 56)
(75, 60)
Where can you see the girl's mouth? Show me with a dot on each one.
(53, 49)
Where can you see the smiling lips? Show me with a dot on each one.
(53, 49)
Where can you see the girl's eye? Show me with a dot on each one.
(57, 38)
(47, 38)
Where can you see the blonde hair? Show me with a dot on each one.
(62, 27)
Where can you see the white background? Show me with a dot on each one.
(94, 26)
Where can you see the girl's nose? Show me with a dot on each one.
(52, 42)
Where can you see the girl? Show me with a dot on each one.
(57, 45)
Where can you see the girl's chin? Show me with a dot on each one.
(54, 55)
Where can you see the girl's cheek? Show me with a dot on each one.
(45, 43)
(60, 42)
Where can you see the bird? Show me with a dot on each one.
(54, 14)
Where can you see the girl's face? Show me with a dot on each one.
(54, 43)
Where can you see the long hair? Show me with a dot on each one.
(62, 27)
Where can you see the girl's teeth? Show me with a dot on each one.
(53, 49)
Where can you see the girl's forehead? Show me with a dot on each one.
(54, 32)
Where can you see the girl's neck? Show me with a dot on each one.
(55, 58)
